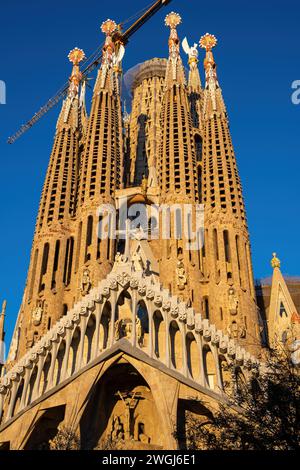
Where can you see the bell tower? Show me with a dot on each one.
(177, 170)
(52, 250)
(101, 170)
(230, 300)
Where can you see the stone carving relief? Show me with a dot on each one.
(123, 329)
(86, 283)
(117, 429)
(237, 330)
(181, 279)
(120, 259)
(37, 313)
(137, 262)
(233, 302)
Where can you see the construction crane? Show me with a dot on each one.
(90, 64)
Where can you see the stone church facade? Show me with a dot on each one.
(119, 336)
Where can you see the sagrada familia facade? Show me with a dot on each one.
(119, 336)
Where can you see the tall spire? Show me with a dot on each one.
(213, 100)
(63, 167)
(50, 270)
(177, 168)
(177, 171)
(101, 170)
(175, 70)
(230, 292)
(71, 105)
(112, 55)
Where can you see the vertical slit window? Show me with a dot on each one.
(226, 246)
(89, 237)
(78, 246)
(44, 266)
(55, 264)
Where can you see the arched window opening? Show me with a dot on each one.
(88, 340)
(104, 326)
(58, 363)
(193, 356)
(206, 307)
(210, 368)
(142, 324)
(176, 345)
(159, 336)
(73, 359)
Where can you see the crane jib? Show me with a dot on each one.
(88, 69)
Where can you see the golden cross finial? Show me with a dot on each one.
(173, 20)
(275, 262)
(76, 56)
(108, 27)
(208, 41)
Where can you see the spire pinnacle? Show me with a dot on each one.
(173, 20)
(112, 52)
(275, 262)
(108, 27)
(208, 42)
(75, 56)
(175, 69)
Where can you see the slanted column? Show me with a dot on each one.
(14, 390)
(40, 364)
(80, 350)
(23, 402)
(52, 366)
(202, 371)
(111, 325)
(184, 352)
(217, 367)
(64, 367)
(97, 330)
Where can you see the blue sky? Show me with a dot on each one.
(258, 58)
